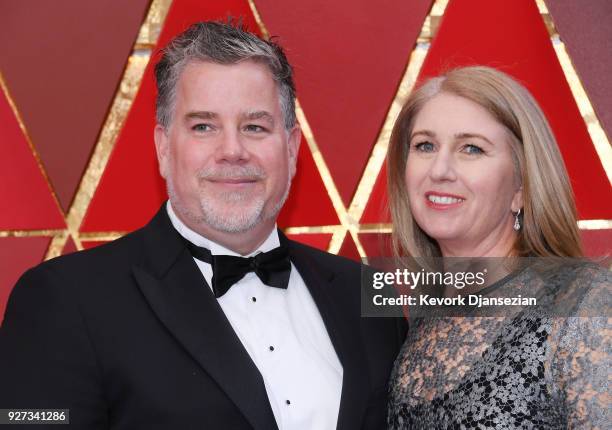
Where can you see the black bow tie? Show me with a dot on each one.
(272, 267)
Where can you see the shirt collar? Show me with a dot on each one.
(271, 242)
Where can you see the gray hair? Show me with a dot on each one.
(221, 43)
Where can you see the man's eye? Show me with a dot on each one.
(472, 149)
(254, 128)
(201, 127)
(424, 147)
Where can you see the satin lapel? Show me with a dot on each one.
(177, 292)
(342, 322)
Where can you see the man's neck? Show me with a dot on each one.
(242, 243)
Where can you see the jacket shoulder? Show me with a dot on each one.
(332, 262)
(120, 253)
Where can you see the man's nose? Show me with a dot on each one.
(443, 166)
(231, 148)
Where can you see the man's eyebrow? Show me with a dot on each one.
(472, 136)
(201, 114)
(261, 114)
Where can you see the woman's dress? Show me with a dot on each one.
(536, 369)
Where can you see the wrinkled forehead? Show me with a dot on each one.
(242, 88)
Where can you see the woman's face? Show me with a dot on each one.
(461, 179)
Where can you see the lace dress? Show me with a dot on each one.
(531, 370)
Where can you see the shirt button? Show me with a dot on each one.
(288, 402)
(254, 299)
(271, 348)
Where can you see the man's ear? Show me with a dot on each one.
(162, 149)
(295, 138)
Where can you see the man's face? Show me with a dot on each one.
(227, 158)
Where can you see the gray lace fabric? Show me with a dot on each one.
(530, 370)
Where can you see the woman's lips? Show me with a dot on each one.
(442, 201)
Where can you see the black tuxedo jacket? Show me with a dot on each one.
(127, 337)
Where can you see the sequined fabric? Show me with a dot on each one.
(530, 370)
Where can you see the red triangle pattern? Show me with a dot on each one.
(309, 203)
(316, 240)
(64, 105)
(17, 254)
(69, 247)
(114, 206)
(93, 243)
(597, 243)
(349, 58)
(377, 208)
(511, 36)
(26, 198)
(376, 244)
(585, 29)
(349, 249)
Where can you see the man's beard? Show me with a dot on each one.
(232, 211)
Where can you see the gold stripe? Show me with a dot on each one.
(152, 25)
(598, 136)
(56, 246)
(376, 228)
(547, 18)
(542, 6)
(322, 229)
(102, 236)
(432, 21)
(30, 233)
(595, 224)
(262, 27)
(337, 240)
(28, 139)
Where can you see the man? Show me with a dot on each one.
(208, 317)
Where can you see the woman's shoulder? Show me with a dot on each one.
(572, 287)
(588, 289)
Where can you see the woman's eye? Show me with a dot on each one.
(201, 127)
(472, 149)
(424, 147)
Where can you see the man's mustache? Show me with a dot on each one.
(246, 173)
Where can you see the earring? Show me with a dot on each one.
(517, 222)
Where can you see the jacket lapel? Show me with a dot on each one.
(177, 292)
(343, 329)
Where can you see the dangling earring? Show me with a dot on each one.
(517, 222)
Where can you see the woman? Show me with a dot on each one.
(474, 171)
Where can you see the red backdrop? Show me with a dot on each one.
(79, 169)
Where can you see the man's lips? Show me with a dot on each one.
(232, 181)
(443, 201)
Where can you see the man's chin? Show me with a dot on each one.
(232, 219)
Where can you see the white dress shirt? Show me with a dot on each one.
(283, 332)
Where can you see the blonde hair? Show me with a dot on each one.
(548, 221)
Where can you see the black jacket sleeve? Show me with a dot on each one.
(46, 357)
